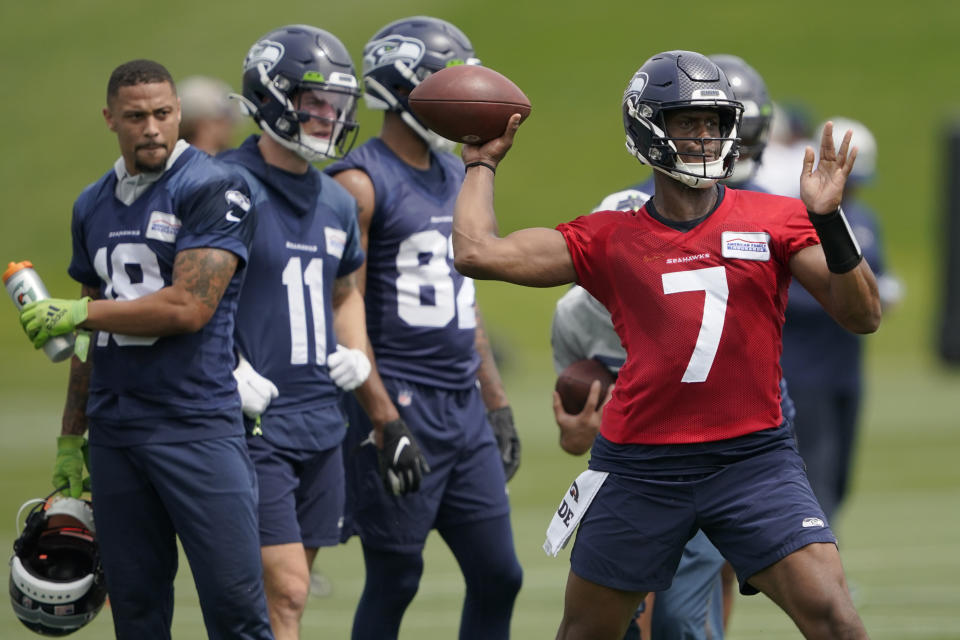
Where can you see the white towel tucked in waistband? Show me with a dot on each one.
(571, 510)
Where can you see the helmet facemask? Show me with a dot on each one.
(296, 61)
(281, 117)
(681, 80)
(662, 152)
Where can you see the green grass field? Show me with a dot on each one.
(891, 67)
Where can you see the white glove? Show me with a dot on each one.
(256, 392)
(348, 367)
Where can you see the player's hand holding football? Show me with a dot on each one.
(72, 456)
(501, 421)
(579, 430)
(492, 152)
(256, 392)
(821, 189)
(401, 464)
(349, 368)
(45, 319)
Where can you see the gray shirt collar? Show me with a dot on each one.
(129, 187)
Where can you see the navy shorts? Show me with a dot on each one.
(465, 484)
(756, 511)
(301, 494)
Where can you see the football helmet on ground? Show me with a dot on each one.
(296, 62)
(401, 55)
(750, 89)
(56, 582)
(676, 80)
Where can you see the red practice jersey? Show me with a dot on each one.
(700, 314)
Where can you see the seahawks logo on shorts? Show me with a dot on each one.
(812, 522)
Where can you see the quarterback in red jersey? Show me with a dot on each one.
(720, 291)
(696, 284)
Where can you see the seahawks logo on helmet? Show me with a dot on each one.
(390, 50)
(266, 52)
(637, 83)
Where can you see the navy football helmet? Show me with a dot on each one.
(680, 80)
(751, 91)
(56, 581)
(401, 55)
(285, 64)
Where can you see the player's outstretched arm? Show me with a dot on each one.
(536, 257)
(835, 271)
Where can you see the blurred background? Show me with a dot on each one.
(894, 69)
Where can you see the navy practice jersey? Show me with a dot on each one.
(420, 310)
(174, 388)
(307, 237)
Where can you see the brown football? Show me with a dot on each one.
(573, 383)
(468, 103)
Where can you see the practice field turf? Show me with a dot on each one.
(898, 535)
(891, 67)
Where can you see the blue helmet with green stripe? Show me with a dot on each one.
(284, 65)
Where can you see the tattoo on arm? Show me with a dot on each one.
(204, 273)
(74, 420)
(342, 287)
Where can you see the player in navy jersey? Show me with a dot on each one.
(159, 247)
(693, 437)
(431, 352)
(300, 87)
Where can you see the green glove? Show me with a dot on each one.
(72, 456)
(44, 319)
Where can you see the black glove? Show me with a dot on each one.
(401, 463)
(501, 421)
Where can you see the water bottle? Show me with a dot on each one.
(25, 286)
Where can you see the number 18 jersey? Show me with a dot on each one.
(700, 314)
(420, 311)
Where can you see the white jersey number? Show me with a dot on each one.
(127, 258)
(294, 278)
(422, 262)
(712, 281)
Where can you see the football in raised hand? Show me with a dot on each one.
(468, 103)
(573, 383)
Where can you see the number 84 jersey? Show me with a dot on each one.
(420, 310)
(699, 312)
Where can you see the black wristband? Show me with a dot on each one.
(839, 244)
(480, 164)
